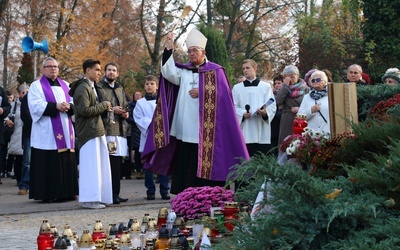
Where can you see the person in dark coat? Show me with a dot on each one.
(4, 111)
(26, 146)
(108, 89)
(135, 137)
(289, 97)
(277, 83)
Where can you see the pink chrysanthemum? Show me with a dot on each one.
(195, 202)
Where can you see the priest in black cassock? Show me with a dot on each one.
(53, 173)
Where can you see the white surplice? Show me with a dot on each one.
(143, 115)
(255, 129)
(42, 135)
(185, 123)
(95, 172)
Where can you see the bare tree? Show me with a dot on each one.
(209, 12)
(3, 6)
(256, 29)
(131, 32)
(7, 25)
(155, 26)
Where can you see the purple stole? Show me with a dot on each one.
(56, 121)
(221, 143)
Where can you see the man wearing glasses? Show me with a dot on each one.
(53, 171)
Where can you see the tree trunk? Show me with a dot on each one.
(6, 35)
(232, 24)
(3, 6)
(155, 50)
(252, 30)
(158, 37)
(209, 13)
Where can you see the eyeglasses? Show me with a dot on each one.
(51, 66)
(194, 50)
(316, 80)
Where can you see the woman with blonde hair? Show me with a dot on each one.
(315, 105)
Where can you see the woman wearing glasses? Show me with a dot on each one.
(315, 104)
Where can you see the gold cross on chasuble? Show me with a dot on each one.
(59, 136)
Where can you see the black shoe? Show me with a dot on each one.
(116, 200)
(165, 197)
(150, 197)
(122, 199)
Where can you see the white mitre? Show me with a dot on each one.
(196, 38)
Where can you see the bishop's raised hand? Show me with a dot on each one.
(169, 41)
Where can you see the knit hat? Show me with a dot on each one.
(392, 73)
(290, 69)
(366, 77)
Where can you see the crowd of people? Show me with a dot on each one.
(71, 141)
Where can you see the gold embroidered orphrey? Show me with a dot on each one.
(159, 135)
(209, 120)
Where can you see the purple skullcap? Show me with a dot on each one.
(308, 75)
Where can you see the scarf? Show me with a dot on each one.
(318, 94)
(298, 89)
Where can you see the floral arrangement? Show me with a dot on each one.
(384, 107)
(195, 202)
(324, 162)
(305, 146)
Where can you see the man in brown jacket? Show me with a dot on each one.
(94, 165)
(110, 90)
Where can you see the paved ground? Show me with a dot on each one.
(21, 218)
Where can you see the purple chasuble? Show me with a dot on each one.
(221, 142)
(56, 121)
